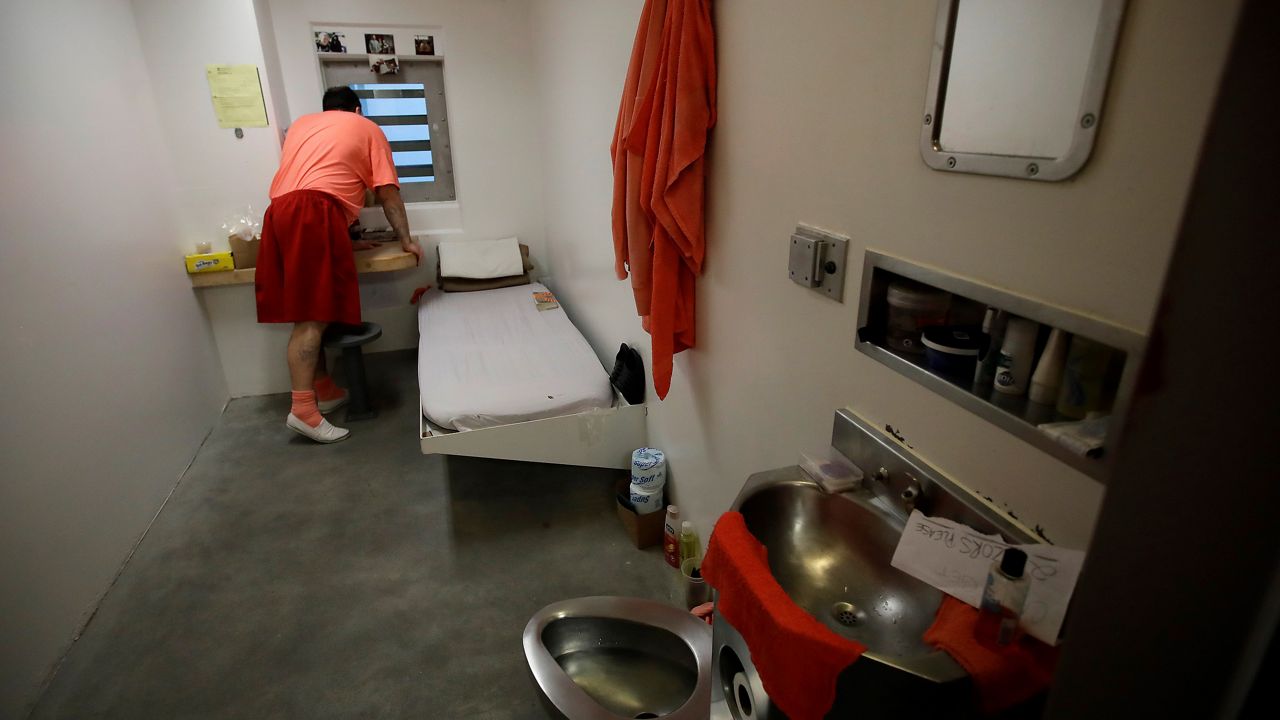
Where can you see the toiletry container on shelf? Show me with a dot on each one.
(1016, 353)
(952, 351)
(913, 307)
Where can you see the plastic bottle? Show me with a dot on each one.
(671, 538)
(1047, 378)
(1083, 389)
(1003, 599)
(993, 326)
(1015, 356)
(690, 546)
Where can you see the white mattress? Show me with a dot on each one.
(492, 358)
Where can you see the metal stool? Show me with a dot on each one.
(350, 338)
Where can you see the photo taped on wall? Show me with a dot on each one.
(328, 41)
(380, 43)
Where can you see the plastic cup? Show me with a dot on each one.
(696, 590)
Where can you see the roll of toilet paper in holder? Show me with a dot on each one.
(648, 468)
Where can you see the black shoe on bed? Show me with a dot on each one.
(628, 375)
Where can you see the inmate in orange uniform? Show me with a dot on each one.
(306, 269)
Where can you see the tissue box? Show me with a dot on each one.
(210, 262)
(644, 530)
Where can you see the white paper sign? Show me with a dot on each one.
(956, 559)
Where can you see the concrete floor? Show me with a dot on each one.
(288, 579)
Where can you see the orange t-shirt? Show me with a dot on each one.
(338, 152)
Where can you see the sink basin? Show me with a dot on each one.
(831, 554)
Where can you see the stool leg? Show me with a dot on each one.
(359, 407)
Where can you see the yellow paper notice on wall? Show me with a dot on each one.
(237, 96)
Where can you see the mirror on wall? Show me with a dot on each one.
(1016, 86)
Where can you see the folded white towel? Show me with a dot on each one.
(481, 259)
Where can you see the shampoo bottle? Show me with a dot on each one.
(671, 537)
(1003, 599)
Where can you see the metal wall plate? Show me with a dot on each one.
(974, 160)
(817, 261)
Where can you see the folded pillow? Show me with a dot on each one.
(450, 284)
(480, 259)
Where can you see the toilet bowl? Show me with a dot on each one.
(617, 658)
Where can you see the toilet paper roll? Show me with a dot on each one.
(648, 467)
(646, 499)
(743, 698)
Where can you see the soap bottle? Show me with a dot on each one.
(671, 537)
(1003, 598)
(690, 546)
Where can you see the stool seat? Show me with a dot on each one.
(349, 339)
(345, 336)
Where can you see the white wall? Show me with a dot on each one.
(819, 117)
(217, 175)
(112, 380)
(496, 162)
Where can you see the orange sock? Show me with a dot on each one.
(304, 407)
(327, 389)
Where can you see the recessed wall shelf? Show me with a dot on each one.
(1015, 414)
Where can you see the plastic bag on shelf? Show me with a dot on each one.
(247, 226)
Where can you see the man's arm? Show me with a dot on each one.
(393, 207)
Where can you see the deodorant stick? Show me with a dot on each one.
(1016, 353)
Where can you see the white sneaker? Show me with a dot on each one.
(327, 406)
(325, 432)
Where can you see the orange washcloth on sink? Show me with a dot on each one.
(1003, 675)
(798, 658)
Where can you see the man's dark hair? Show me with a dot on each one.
(341, 97)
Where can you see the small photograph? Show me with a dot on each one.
(384, 64)
(424, 44)
(379, 44)
(330, 42)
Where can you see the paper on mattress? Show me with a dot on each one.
(481, 259)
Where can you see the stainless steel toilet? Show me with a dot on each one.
(617, 658)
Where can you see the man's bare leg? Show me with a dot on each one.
(304, 354)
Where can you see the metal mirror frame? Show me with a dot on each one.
(1089, 112)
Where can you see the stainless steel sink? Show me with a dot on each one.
(610, 657)
(832, 553)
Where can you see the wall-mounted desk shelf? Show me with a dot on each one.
(383, 258)
(1016, 415)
